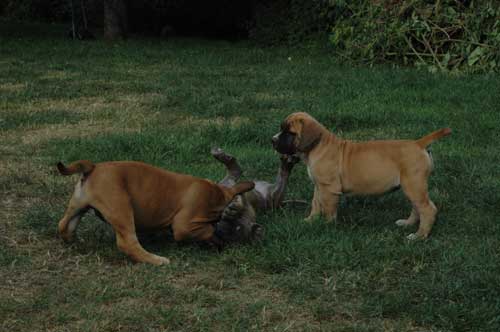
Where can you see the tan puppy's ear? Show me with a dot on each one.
(308, 133)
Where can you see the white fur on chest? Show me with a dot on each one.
(309, 173)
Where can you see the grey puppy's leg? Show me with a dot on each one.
(233, 168)
(237, 223)
(265, 195)
(277, 192)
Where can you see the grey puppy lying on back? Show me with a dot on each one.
(237, 223)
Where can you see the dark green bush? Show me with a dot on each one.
(443, 35)
(287, 21)
(439, 34)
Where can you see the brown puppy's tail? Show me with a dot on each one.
(80, 166)
(428, 139)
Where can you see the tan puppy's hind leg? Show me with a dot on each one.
(428, 213)
(412, 219)
(416, 191)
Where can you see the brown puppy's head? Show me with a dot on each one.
(299, 133)
(211, 199)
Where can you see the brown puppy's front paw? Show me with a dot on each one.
(66, 238)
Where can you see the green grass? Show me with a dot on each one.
(167, 103)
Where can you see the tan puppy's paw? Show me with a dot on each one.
(415, 236)
(404, 222)
(312, 218)
(330, 219)
(160, 260)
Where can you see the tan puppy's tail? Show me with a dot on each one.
(428, 139)
(80, 166)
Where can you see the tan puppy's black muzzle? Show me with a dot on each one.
(283, 142)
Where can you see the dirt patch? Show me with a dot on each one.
(12, 87)
(235, 121)
(57, 75)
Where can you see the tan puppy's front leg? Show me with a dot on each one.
(329, 203)
(184, 228)
(315, 206)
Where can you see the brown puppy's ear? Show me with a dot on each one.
(237, 189)
(308, 132)
(80, 166)
(242, 187)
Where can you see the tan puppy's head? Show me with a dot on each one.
(300, 132)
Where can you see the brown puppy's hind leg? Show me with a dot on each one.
(77, 206)
(70, 220)
(118, 213)
(416, 191)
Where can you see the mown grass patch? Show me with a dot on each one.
(168, 103)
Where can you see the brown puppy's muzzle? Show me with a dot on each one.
(283, 142)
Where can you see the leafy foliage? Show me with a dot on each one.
(287, 21)
(443, 35)
(438, 34)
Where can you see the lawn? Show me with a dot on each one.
(167, 103)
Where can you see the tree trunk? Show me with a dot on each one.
(115, 19)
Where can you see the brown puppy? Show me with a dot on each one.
(338, 166)
(135, 196)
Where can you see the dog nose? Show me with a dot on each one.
(275, 139)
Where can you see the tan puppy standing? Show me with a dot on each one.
(134, 196)
(338, 166)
